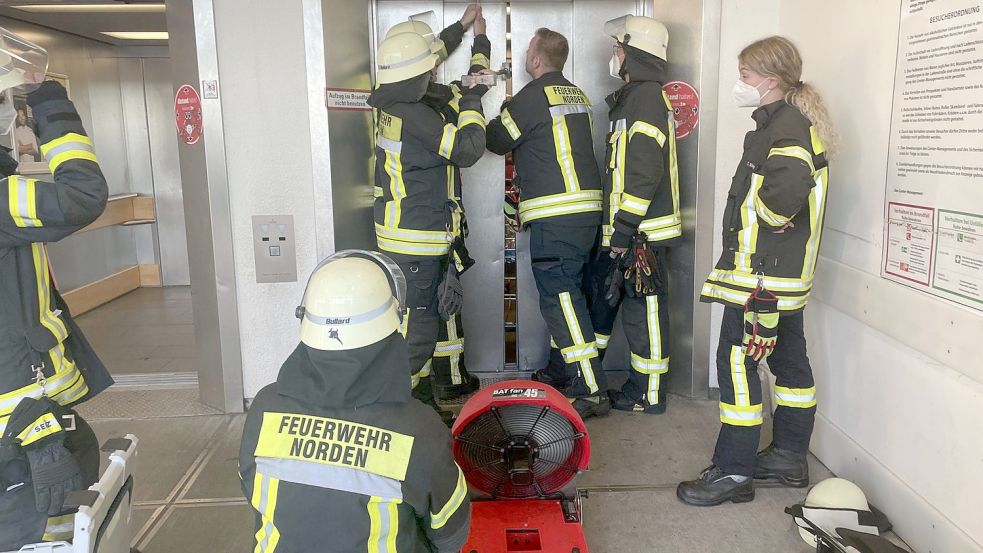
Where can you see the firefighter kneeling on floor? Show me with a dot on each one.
(337, 451)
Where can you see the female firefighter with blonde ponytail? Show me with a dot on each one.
(771, 232)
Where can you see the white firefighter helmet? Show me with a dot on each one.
(423, 29)
(21, 61)
(403, 56)
(841, 497)
(353, 299)
(644, 33)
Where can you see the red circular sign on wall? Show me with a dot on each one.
(187, 114)
(685, 102)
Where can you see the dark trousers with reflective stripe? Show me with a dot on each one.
(448, 356)
(20, 521)
(559, 257)
(424, 329)
(645, 320)
(740, 394)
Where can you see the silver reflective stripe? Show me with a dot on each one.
(388, 144)
(330, 477)
(352, 320)
(67, 147)
(264, 499)
(385, 525)
(23, 206)
(404, 63)
(568, 109)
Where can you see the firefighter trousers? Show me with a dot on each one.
(645, 320)
(559, 257)
(740, 394)
(20, 522)
(435, 346)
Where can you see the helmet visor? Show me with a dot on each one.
(617, 27)
(21, 61)
(430, 19)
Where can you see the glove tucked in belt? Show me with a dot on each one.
(760, 323)
(450, 294)
(36, 428)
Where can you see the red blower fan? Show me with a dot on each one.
(521, 445)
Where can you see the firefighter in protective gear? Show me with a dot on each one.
(418, 216)
(46, 364)
(547, 127)
(447, 365)
(771, 232)
(641, 201)
(337, 451)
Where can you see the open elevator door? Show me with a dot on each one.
(506, 336)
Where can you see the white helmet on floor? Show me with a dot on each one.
(644, 33)
(353, 299)
(403, 56)
(835, 503)
(423, 29)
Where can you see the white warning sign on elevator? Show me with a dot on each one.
(347, 99)
(933, 231)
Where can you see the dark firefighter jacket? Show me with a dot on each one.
(42, 351)
(774, 214)
(337, 456)
(547, 127)
(641, 186)
(420, 146)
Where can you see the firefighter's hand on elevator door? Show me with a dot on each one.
(472, 12)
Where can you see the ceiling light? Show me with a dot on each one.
(137, 35)
(91, 8)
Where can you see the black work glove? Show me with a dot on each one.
(35, 425)
(477, 90)
(48, 90)
(615, 279)
(450, 294)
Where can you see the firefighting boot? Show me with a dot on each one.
(594, 405)
(424, 393)
(621, 402)
(553, 374)
(783, 466)
(713, 487)
(449, 392)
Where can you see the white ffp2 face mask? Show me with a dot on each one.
(745, 95)
(614, 67)
(7, 116)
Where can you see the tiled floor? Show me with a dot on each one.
(148, 331)
(188, 499)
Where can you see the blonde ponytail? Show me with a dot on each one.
(778, 57)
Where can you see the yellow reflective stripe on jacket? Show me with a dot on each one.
(817, 213)
(766, 214)
(648, 130)
(747, 238)
(778, 285)
(738, 298)
(383, 524)
(560, 204)
(634, 204)
(22, 201)
(564, 150)
(736, 415)
(438, 520)
(66, 148)
(411, 235)
(510, 125)
(470, 117)
(265, 492)
(797, 152)
(45, 425)
(42, 277)
(802, 398)
(446, 147)
(397, 187)
(481, 59)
